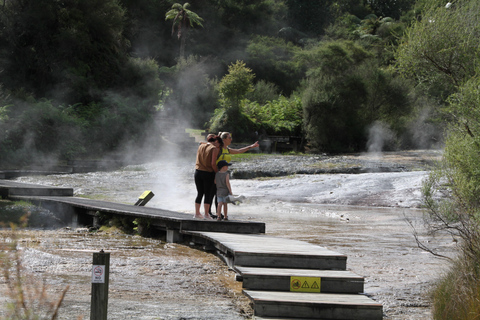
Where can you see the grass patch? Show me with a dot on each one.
(198, 134)
(457, 294)
(194, 132)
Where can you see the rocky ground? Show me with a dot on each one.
(278, 166)
(362, 215)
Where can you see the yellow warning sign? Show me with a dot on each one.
(305, 284)
(144, 195)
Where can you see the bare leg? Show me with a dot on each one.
(219, 211)
(225, 210)
(197, 211)
(207, 209)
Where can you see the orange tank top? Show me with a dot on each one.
(204, 157)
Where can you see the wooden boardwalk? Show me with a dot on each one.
(269, 268)
(284, 278)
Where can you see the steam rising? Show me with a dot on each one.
(379, 136)
(424, 133)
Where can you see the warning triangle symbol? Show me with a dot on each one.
(305, 285)
(315, 285)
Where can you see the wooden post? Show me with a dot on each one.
(100, 275)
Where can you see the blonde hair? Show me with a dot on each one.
(223, 135)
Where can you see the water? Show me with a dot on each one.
(363, 216)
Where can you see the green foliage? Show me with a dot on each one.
(460, 167)
(344, 27)
(451, 195)
(346, 91)
(310, 16)
(141, 80)
(443, 47)
(333, 97)
(41, 131)
(282, 116)
(457, 294)
(233, 120)
(249, 17)
(183, 19)
(390, 8)
(388, 96)
(440, 51)
(263, 92)
(97, 64)
(63, 50)
(235, 85)
(272, 60)
(143, 226)
(377, 33)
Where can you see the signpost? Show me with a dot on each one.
(100, 275)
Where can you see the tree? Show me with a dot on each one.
(272, 59)
(390, 8)
(441, 49)
(451, 196)
(63, 50)
(73, 88)
(334, 97)
(310, 17)
(183, 19)
(235, 85)
(232, 90)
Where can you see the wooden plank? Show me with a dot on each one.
(258, 250)
(160, 218)
(279, 279)
(13, 188)
(314, 306)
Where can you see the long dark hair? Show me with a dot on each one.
(216, 138)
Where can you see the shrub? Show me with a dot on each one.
(457, 295)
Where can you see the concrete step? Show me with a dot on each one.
(320, 281)
(326, 306)
(259, 250)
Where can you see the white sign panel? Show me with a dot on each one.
(98, 274)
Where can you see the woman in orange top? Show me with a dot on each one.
(205, 169)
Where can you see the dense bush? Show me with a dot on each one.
(452, 191)
(272, 60)
(282, 116)
(108, 67)
(347, 91)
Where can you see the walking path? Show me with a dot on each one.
(284, 278)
